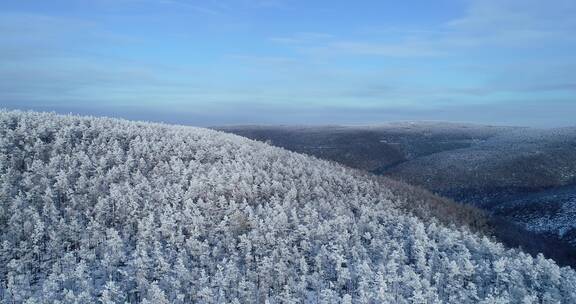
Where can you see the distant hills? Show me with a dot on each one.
(518, 161)
(371, 148)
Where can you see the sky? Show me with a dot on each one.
(224, 62)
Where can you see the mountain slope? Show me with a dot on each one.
(525, 178)
(550, 212)
(486, 173)
(113, 211)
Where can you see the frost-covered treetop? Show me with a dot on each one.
(103, 210)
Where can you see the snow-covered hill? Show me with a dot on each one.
(95, 209)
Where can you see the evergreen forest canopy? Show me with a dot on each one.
(112, 211)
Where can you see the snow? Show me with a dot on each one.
(112, 211)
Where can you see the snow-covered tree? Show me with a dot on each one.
(96, 210)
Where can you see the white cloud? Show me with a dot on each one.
(328, 44)
(193, 7)
(484, 24)
(518, 15)
(517, 23)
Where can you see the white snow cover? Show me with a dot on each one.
(110, 211)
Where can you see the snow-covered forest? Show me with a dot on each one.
(96, 210)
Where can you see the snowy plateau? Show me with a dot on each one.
(97, 210)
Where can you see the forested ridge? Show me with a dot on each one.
(97, 210)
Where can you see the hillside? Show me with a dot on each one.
(549, 212)
(524, 177)
(111, 211)
(515, 162)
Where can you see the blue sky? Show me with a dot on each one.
(218, 62)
